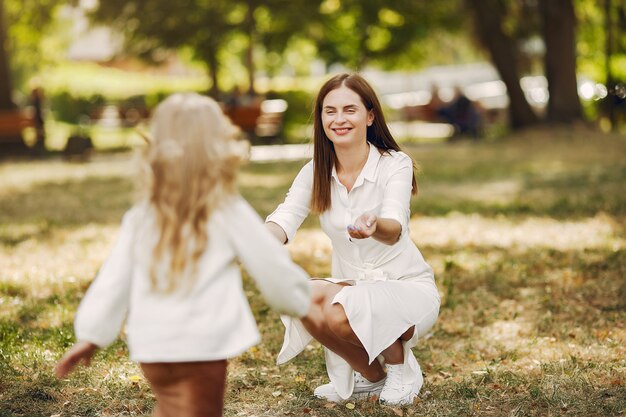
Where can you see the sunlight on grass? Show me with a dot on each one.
(474, 230)
(22, 176)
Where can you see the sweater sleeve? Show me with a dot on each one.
(283, 284)
(102, 311)
(291, 213)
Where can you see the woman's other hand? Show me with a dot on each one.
(363, 227)
(80, 352)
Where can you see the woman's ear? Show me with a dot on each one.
(370, 117)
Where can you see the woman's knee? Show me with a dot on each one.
(337, 320)
(318, 290)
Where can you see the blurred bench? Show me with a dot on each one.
(12, 123)
(244, 117)
(263, 123)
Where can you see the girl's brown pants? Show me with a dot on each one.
(187, 389)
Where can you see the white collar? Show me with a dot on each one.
(368, 172)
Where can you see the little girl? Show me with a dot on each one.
(172, 273)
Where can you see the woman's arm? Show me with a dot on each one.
(277, 231)
(394, 214)
(289, 215)
(386, 231)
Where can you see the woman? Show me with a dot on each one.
(382, 295)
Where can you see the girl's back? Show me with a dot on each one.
(208, 319)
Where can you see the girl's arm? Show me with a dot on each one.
(102, 311)
(80, 352)
(283, 284)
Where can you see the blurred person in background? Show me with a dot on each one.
(36, 101)
(463, 114)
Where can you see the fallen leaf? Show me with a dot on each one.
(300, 378)
(135, 378)
(306, 410)
(276, 393)
(330, 405)
(350, 406)
(398, 412)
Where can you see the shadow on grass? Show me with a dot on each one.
(35, 212)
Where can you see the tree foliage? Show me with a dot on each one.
(24, 25)
(204, 26)
(356, 33)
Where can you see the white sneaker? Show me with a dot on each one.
(362, 389)
(395, 391)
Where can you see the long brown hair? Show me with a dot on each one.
(324, 156)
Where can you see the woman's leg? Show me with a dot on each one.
(394, 354)
(329, 325)
(187, 389)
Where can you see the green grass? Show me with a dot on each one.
(526, 236)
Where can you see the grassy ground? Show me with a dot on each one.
(527, 238)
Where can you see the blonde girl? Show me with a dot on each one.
(172, 275)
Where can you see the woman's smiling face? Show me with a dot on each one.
(344, 117)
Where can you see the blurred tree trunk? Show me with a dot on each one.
(488, 17)
(6, 102)
(610, 82)
(249, 60)
(211, 59)
(559, 34)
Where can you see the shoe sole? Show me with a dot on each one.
(353, 397)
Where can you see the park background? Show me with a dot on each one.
(522, 222)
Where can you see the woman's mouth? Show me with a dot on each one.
(341, 130)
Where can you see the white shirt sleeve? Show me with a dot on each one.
(283, 284)
(397, 196)
(102, 311)
(291, 213)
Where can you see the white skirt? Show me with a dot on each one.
(379, 312)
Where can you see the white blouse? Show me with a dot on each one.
(209, 320)
(382, 188)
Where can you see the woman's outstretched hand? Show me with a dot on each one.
(363, 227)
(80, 352)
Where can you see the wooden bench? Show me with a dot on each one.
(12, 124)
(263, 122)
(244, 117)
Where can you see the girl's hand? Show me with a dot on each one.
(363, 227)
(80, 352)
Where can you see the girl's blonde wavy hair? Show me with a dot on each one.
(190, 168)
